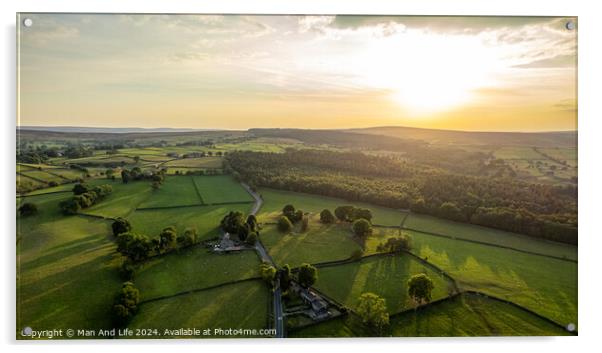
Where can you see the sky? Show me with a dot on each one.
(319, 72)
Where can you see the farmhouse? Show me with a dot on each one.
(226, 244)
(318, 306)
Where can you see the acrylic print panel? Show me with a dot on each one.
(209, 176)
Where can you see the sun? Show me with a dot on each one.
(427, 73)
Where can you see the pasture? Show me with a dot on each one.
(429, 224)
(66, 268)
(275, 200)
(465, 315)
(221, 189)
(320, 243)
(124, 199)
(205, 219)
(175, 191)
(545, 285)
(193, 268)
(202, 162)
(386, 276)
(238, 306)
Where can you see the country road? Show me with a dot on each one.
(278, 311)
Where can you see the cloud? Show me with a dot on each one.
(559, 61)
(566, 105)
(440, 24)
(47, 31)
(316, 24)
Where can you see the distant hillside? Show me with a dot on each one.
(118, 130)
(538, 139)
(40, 135)
(343, 138)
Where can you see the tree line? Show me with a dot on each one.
(84, 196)
(540, 210)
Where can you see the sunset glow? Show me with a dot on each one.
(237, 72)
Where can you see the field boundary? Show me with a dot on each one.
(33, 178)
(196, 205)
(197, 290)
(198, 192)
(481, 294)
(489, 244)
(95, 216)
(346, 261)
(43, 193)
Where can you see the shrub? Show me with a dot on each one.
(362, 227)
(284, 224)
(326, 217)
(121, 225)
(28, 209)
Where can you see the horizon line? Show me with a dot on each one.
(189, 129)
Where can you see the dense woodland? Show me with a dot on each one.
(503, 202)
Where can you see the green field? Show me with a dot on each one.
(221, 188)
(175, 191)
(66, 269)
(205, 219)
(124, 199)
(517, 153)
(386, 276)
(42, 175)
(466, 315)
(60, 188)
(471, 315)
(203, 162)
(101, 160)
(431, 224)
(243, 305)
(193, 268)
(544, 285)
(319, 244)
(274, 201)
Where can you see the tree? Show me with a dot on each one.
(284, 224)
(372, 309)
(364, 213)
(127, 270)
(136, 247)
(396, 244)
(126, 304)
(304, 223)
(136, 159)
(268, 272)
(362, 227)
(251, 238)
(252, 222)
(420, 287)
(79, 189)
(284, 275)
(243, 232)
(28, 209)
(70, 206)
(451, 211)
(189, 237)
(125, 176)
(110, 173)
(232, 222)
(289, 212)
(298, 215)
(121, 225)
(168, 238)
(155, 185)
(326, 216)
(344, 213)
(307, 276)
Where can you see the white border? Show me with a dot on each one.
(590, 113)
